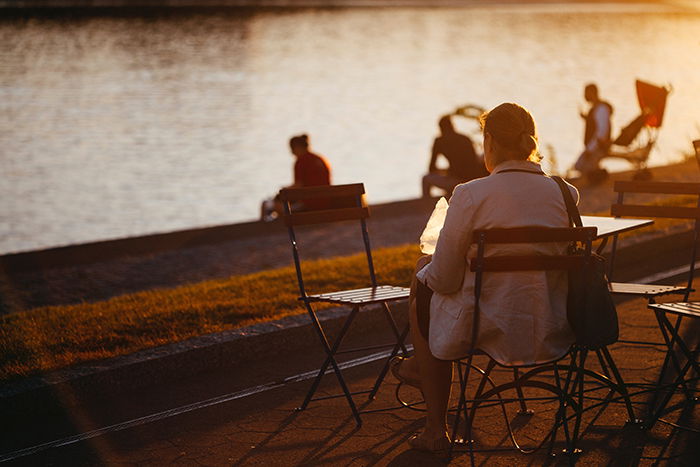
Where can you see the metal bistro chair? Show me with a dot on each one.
(653, 291)
(567, 391)
(674, 340)
(341, 203)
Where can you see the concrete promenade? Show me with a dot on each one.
(242, 413)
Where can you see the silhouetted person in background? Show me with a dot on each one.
(309, 170)
(464, 164)
(596, 138)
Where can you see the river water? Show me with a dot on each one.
(114, 127)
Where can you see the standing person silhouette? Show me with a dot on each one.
(464, 164)
(596, 137)
(309, 170)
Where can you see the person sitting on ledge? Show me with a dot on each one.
(464, 164)
(517, 193)
(309, 170)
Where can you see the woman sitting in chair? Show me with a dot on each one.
(523, 314)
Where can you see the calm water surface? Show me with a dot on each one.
(116, 127)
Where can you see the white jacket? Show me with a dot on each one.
(523, 314)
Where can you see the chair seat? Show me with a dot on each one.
(690, 309)
(369, 295)
(647, 290)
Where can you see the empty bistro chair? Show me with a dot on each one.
(667, 208)
(331, 204)
(659, 200)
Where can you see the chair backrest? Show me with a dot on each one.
(656, 209)
(341, 203)
(620, 209)
(534, 262)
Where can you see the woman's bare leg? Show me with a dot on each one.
(435, 375)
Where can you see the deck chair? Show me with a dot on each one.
(623, 208)
(340, 203)
(567, 392)
(630, 145)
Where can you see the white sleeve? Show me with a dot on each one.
(602, 122)
(601, 116)
(445, 272)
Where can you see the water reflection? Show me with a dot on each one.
(117, 127)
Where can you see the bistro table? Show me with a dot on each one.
(612, 227)
(609, 226)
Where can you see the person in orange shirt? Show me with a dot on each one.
(309, 170)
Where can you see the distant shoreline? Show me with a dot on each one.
(61, 9)
(96, 4)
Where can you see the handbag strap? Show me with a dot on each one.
(571, 209)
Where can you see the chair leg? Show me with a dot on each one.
(382, 374)
(469, 417)
(464, 410)
(621, 386)
(666, 328)
(400, 345)
(519, 390)
(462, 406)
(400, 336)
(688, 392)
(572, 450)
(657, 408)
(560, 417)
(330, 359)
(480, 389)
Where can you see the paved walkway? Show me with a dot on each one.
(244, 415)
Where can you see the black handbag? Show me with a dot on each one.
(589, 307)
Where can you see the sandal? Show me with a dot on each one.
(395, 365)
(438, 446)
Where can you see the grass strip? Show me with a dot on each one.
(50, 338)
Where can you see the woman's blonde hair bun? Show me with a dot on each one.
(513, 128)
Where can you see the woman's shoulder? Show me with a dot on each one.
(473, 190)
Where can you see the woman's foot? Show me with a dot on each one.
(435, 444)
(400, 371)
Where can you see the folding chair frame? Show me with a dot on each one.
(375, 294)
(673, 340)
(573, 383)
(619, 209)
